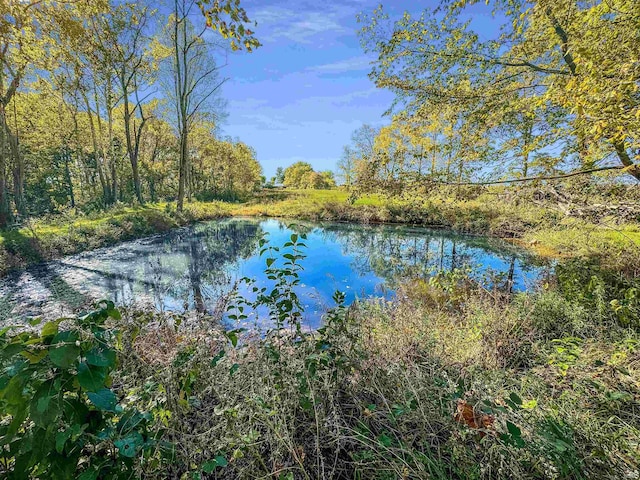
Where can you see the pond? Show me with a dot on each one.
(196, 268)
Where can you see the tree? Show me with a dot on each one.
(221, 168)
(158, 150)
(360, 159)
(194, 80)
(346, 165)
(294, 174)
(279, 178)
(577, 59)
(77, 127)
(194, 72)
(302, 175)
(32, 38)
(128, 43)
(328, 179)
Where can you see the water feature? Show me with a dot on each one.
(196, 268)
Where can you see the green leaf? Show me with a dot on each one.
(514, 430)
(66, 352)
(515, 398)
(91, 474)
(45, 404)
(129, 444)
(305, 403)
(217, 358)
(12, 393)
(114, 313)
(515, 435)
(385, 440)
(101, 356)
(4, 330)
(12, 349)
(218, 461)
(91, 377)
(19, 416)
(50, 328)
(233, 338)
(104, 399)
(34, 357)
(131, 419)
(61, 439)
(209, 466)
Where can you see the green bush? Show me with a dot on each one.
(551, 315)
(611, 295)
(61, 418)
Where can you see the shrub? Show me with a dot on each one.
(61, 418)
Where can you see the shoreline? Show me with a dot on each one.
(44, 241)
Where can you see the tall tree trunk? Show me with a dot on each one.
(18, 165)
(97, 153)
(112, 152)
(18, 170)
(181, 97)
(135, 167)
(5, 210)
(14, 148)
(67, 176)
(132, 151)
(18, 186)
(184, 160)
(79, 155)
(150, 179)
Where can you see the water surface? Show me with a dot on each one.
(196, 268)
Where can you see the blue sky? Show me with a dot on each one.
(301, 95)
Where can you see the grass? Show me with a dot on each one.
(577, 238)
(539, 227)
(448, 381)
(47, 238)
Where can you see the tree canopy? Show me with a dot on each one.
(556, 87)
(99, 101)
(302, 175)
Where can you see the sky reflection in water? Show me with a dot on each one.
(195, 268)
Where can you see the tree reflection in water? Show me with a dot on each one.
(397, 253)
(196, 268)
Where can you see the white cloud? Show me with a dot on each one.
(296, 24)
(347, 65)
